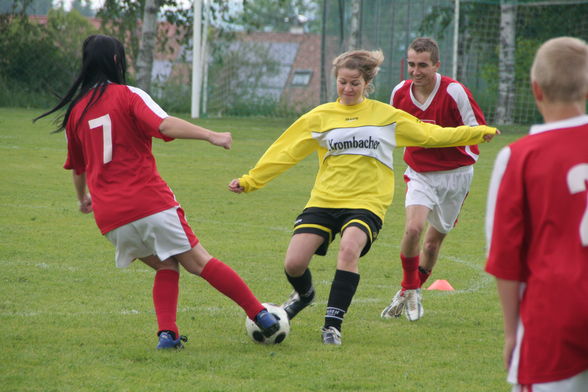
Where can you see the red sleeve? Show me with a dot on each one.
(147, 114)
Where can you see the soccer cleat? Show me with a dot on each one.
(295, 303)
(267, 323)
(167, 341)
(331, 335)
(396, 306)
(414, 308)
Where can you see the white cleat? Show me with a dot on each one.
(413, 306)
(394, 310)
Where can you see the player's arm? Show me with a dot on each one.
(295, 144)
(84, 199)
(505, 236)
(410, 131)
(508, 291)
(180, 129)
(468, 109)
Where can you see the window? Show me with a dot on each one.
(301, 77)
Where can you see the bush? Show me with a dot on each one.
(39, 62)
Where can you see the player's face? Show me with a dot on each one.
(350, 86)
(421, 69)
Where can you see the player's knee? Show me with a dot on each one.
(413, 232)
(349, 253)
(295, 266)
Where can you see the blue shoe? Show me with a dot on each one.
(166, 341)
(267, 322)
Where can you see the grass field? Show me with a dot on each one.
(71, 321)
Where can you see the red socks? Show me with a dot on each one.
(410, 268)
(423, 275)
(227, 281)
(165, 299)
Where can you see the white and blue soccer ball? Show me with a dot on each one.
(255, 333)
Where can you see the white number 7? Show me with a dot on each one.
(106, 125)
(577, 178)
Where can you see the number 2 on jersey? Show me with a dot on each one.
(106, 124)
(577, 180)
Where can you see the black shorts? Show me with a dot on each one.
(327, 222)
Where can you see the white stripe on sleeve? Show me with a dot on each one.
(151, 104)
(497, 174)
(463, 104)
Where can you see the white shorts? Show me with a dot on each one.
(163, 234)
(443, 192)
(577, 383)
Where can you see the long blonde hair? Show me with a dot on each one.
(365, 61)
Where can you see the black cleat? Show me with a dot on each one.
(296, 303)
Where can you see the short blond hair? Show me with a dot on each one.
(367, 62)
(560, 68)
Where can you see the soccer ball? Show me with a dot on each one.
(255, 333)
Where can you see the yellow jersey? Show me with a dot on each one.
(355, 147)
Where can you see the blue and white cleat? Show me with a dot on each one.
(267, 322)
(167, 341)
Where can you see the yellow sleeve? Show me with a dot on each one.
(412, 132)
(295, 144)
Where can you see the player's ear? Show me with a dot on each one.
(537, 92)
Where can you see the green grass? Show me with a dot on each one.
(71, 321)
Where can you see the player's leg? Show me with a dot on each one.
(416, 218)
(345, 282)
(134, 241)
(223, 278)
(409, 293)
(359, 230)
(430, 253)
(312, 235)
(165, 300)
(420, 199)
(300, 251)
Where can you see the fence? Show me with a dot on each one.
(473, 56)
(282, 81)
(285, 69)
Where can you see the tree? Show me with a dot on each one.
(354, 36)
(148, 39)
(506, 65)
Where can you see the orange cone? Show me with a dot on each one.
(441, 285)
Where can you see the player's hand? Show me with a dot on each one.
(234, 186)
(222, 139)
(489, 136)
(86, 204)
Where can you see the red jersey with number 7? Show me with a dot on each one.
(111, 143)
(537, 231)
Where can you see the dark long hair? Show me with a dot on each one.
(103, 62)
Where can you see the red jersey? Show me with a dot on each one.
(450, 104)
(112, 145)
(537, 230)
